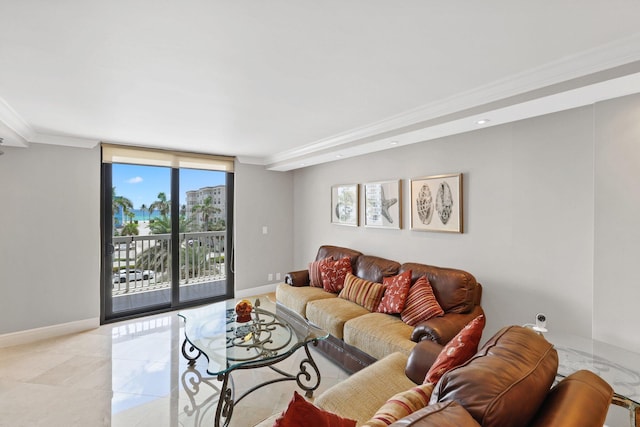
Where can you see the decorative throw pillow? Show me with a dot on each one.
(396, 290)
(333, 274)
(458, 350)
(421, 303)
(362, 292)
(303, 413)
(314, 272)
(402, 404)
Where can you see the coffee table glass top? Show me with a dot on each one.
(228, 344)
(619, 367)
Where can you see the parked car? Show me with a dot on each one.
(148, 274)
(133, 275)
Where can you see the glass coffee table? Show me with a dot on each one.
(262, 340)
(617, 366)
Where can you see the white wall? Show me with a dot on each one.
(263, 199)
(617, 222)
(528, 214)
(49, 236)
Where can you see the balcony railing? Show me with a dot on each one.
(143, 263)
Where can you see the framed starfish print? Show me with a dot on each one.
(383, 204)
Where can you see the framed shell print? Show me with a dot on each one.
(345, 204)
(436, 203)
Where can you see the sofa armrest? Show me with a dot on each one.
(442, 329)
(444, 414)
(297, 278)
(423, 355)
(581, 399)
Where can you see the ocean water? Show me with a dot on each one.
(139, 215)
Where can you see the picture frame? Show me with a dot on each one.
(383, 204)
(345, 205)
(436, 203)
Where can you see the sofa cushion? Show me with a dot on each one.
(400, 405)
(378, 334)
(505, 383)
(445, 414)
(421, 303)
(359, 396)
(296, 298)
(458, 350)
(303, 413)
(333, 273)
(331, 314)
(454, 289)
(396, 290)
(374, 269)
(363, 292)
(315, 279)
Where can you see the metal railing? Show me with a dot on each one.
(143, 263)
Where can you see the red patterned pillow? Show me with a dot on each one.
(458, 350)
(421, 303)
(362, 292)
(333, 274)
(303, 413)
(396, 290)
(314, 272)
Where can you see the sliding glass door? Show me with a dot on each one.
(166, 235)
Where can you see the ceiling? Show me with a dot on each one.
(291, 83)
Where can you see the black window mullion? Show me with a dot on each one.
(175, 236)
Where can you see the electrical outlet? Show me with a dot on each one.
(270, 277)
(278, 277)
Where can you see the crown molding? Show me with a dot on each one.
(594, 62)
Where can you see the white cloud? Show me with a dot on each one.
(135, 180)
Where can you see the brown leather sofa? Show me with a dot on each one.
(508, 383)
(358, 338)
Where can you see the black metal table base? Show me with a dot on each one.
(308, 379)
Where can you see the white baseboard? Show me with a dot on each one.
(259, 290)
(37, 334)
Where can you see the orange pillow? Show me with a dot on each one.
(458, 350)
(303, 413)
(333, 274)
(421, 303)
(396, 290)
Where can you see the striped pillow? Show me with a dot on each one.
(421, 303)
(362, 292)
(402, 404)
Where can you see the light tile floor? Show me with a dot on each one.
(131, 373)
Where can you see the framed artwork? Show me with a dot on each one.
(345, 204)
(436, 203)
(383, 204)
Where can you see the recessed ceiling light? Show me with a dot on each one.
(339, 155)
(482, 121)
(394, 142)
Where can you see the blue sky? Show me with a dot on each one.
(141, 184)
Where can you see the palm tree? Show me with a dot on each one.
(161, 205)
(130, 229)
(144, 209)
(118, 203)
(207, 210)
